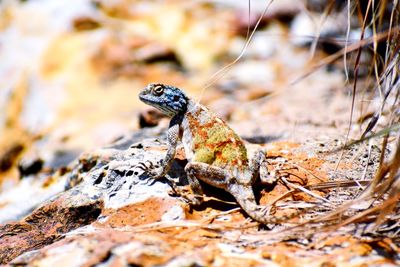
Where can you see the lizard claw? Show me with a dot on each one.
(150, 182)
(143, 166)
(150, 170)
(266, 209)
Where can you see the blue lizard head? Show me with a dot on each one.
(168, 99)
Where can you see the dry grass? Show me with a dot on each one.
(378, 205)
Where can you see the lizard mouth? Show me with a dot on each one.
(146, 98)
(150, 100)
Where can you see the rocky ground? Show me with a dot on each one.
(73, 133)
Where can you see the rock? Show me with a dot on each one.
(85, 23)
(9, 155)
(30, 164)
(150, 118)
(107, 180)
(126, 56)
(49, 222)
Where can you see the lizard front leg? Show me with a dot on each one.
(172, 140)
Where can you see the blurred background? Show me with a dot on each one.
(70, 71)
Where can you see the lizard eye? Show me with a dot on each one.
(158, 90)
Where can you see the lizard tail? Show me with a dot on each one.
(259, 213)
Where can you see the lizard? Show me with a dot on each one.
(216, 155)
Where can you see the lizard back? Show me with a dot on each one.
(210, 140)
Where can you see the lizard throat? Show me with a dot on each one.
(166, 107)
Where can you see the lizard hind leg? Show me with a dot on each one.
(243, 193)
(194, 196)
(221, 178)
(209, 174)
(258, 166)
(212, 175)
(197, 191)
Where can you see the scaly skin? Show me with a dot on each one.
(216, 154)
